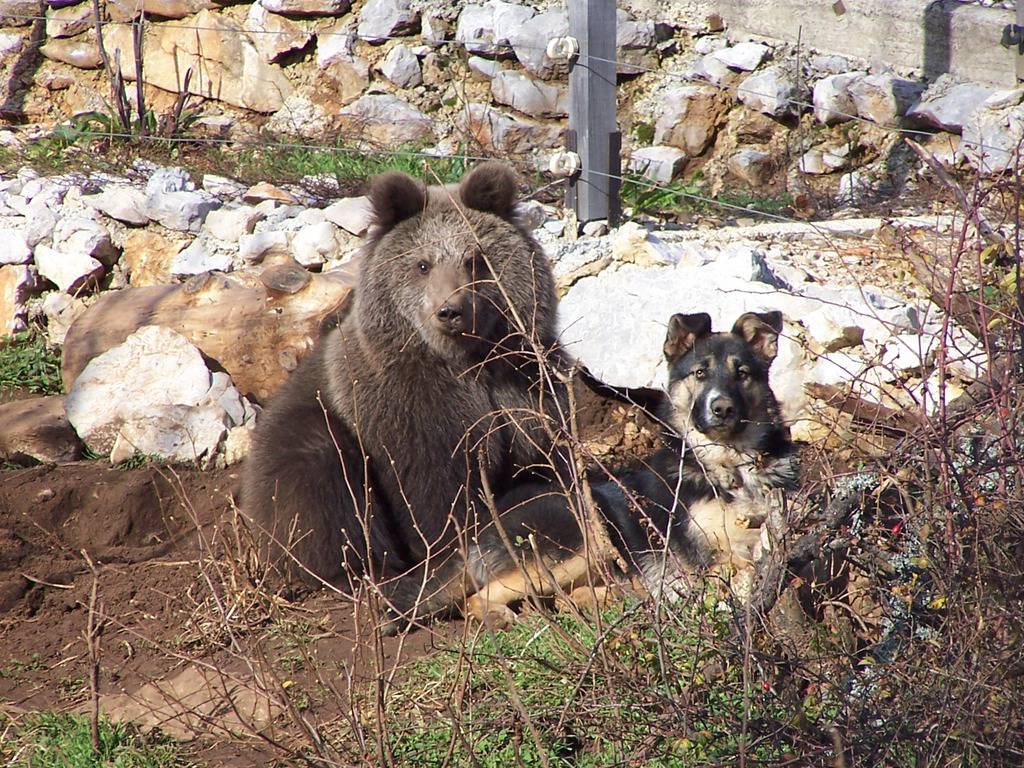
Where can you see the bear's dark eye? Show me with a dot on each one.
(474, 262)
(423, 266)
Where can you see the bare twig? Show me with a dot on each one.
(986, 230)
(138, 32)
(93, 631)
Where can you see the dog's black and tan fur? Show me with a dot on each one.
(697, 502)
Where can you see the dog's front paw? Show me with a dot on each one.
(493, 615)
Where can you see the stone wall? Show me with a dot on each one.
(930, 36)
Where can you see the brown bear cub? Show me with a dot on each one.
(371, 458)
(697, 502)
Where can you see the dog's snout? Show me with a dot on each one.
(723, 408)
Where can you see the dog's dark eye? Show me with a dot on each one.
(701, 373)
(423, 266)
(743, 373)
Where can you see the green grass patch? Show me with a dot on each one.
(692, 197)
(630, 693)
(138, 460)
(94, 142)
(48, 740)
(28, 364)
(292, 162)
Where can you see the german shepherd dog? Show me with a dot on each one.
(696, 503)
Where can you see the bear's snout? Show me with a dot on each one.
(449, 300)
(451, 317)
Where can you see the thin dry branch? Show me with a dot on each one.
(986, 230)
(93, 631)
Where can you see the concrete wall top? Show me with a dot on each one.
(928, 36)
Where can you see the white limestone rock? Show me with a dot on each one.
(774, 92)
(529, 96)
(253, 248)
(947, 105)
(993, 136)
(317, 243)
(530, 43)
(385, 120)
(153, 394)
(659, 164)
(78, 234)
(274, 36)
(381, 19)
(402, 67)
(10, 44)
(13, 247)
(69, 20)
(884, 98)
(181, 211)
(197, 257)
(122, 203)
(633, 244)
(487, 29)
(307, 7)
(742, 57)
(488, 68)
(353, 214)
(71, 272)
(229, 224)
(41, 221)
(833, 101)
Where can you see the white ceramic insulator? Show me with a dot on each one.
(562, 48)
(564, 164)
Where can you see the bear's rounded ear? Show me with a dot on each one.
(683, 332)
(490, 187)
(394, 197)
(761, 331)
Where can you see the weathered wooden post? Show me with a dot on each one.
(1020, 43)
(593, 192)
(1013, 38)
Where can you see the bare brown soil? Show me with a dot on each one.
(135, 525)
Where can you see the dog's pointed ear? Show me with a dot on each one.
(490, 187)
(761, 331)
(395, 197)
(683, 332)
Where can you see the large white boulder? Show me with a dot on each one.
(154, 395)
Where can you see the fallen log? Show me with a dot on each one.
(257, 328)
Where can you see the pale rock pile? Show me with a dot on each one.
(67, 241)
(772, 81)
(382, 71)
(619, 291)
(388, 73)
(79, 235)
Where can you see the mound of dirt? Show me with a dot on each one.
(50, 514)
(128, 522)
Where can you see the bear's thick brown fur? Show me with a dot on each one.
(367, 460)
